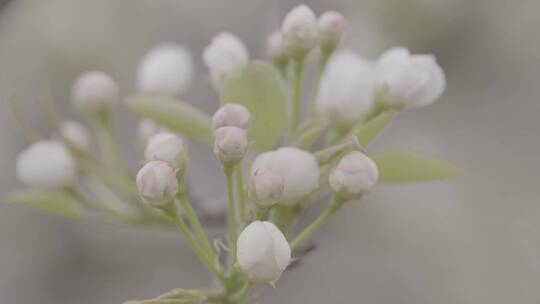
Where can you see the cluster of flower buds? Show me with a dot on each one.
(230, 134)
(225, 54)
(170, 148)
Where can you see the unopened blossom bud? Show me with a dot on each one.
(298, 169)
(223, 56)
(166, 69)
(157, 184)
(346, 89)
(230, 144)
(46, 164)
(146, 129)
(275, 46)
(263, 253)
(300, 30)
(76, 134)
(231, 114)
(266, 187)
(354, 175)
(405, 80)
(94, 92)
(331, 27)
(168, 147)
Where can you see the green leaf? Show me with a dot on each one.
(309, 132)
(176, 115)
(367, 132)
(406, 166)
(54, 201)
(259, 88)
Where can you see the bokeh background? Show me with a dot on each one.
(472, 240)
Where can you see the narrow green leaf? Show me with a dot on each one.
(309, 132)
(54, 201)
(406, 166)
(176, 115)
(259, 88)
(367, 132)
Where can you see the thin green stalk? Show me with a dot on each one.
(241, 296)
(241, 196)
(317, 223)
(97, 206)
(196, 224)
(297, 92)
(105, 135)
(232, 214)
(315, 94)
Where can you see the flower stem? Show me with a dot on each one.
(232, 213)
(315, 94)
(317, 223)
(243, 293)
(196, 224)
(296, 100)
(103, 128)
(241, 196)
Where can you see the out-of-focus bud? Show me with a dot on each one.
(76, 134)
(230, 144)
(231, 114)
(298, 169)
(405, 80)
(263, 253)
(346, 89)
(331, 27)
(354, 175)
(275, 47)
(157, 184)
(94, 92)
(146, 129)
(300, 30)
(167, 69)
(266, 187)
(224, 55)
(46, 164)
(170, 148)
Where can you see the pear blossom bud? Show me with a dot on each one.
(166, 69)
(300, 30)
(94, 92)
(157, 184)
(46, 164)
(146, 129)
(223, 56)
(76, 134)
(406, 80)
(275, 46)
(266, 187)
(263, 253)
(168, 147)
(354, 175)
(298, 169)
(346, 89)
(331, 27)
(231, 114)
(230, 144)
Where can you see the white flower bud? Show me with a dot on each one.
(266, 187)
(346, 89)
(300, 30)
(224, 55)
(166, 69)
(76, 134)
(230, 144)
(405, 80)
(231, 114)
(298, 169)
(157, 183)
(275, 46)
(263, 253)
(46, 164)
(354, 175)
(146, 129)
(168, 147)
(94, 92)
(331, 27)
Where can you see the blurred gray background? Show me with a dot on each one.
(475, 239)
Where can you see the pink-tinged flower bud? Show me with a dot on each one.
(166, 69)
(46, 164)
(354, 175)
(168, 147)
(94, 92)
(231, 114)
(405, 80)
(263, 252)
(157, 184)
(331, 27)
(223, 56)
(266, 187)
(76, 134)
(300, 30)
(230, 144)
(275, 46)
